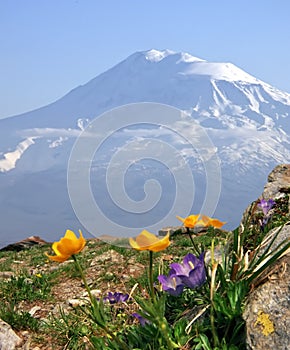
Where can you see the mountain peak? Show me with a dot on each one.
(154, 55)
(186, 65)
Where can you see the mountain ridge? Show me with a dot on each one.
(247, 120)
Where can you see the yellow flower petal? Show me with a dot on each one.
(148, 241)
(134, 244)
(200, 223)
(58, 258)
(67, 246)
(216, 223)
(180, 218)
(146, 238)
(207, 221)
(190, 221)
(160, 245)
(70, 235)
(55, 248)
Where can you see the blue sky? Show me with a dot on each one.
(49, 47)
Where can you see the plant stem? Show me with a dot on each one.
(212, 291)
(94, 305)
(151, 286)
(83, 278)
(161, 323)
(192, 241)
(213, 329)
(164, 328)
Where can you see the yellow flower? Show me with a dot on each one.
(189, 221)
(67, 246)
(148, 241)
(206, 221)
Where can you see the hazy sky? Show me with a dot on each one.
(49, 47)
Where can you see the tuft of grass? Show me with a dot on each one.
(25, 287)
(19, 320)
(70, 330)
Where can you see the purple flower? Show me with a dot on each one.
(141, 319)
(116, 297)
(172, 284)
(266, 205)
(191, 271)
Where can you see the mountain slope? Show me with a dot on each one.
(247, 120)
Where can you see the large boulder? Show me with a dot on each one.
(267, 312)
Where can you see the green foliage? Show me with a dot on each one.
(281, 215)
(206, 318)
(22, 288)
(70, 329)
(25, 287)
(19, 320)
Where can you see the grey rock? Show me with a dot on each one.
(278, 182)
(171, 230)
(180, 230)
(277, 187)
(8, 338)
(267, 312)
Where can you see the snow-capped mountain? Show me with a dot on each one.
(247, 121)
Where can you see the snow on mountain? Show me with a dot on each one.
(8, 162)
(247, 120)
